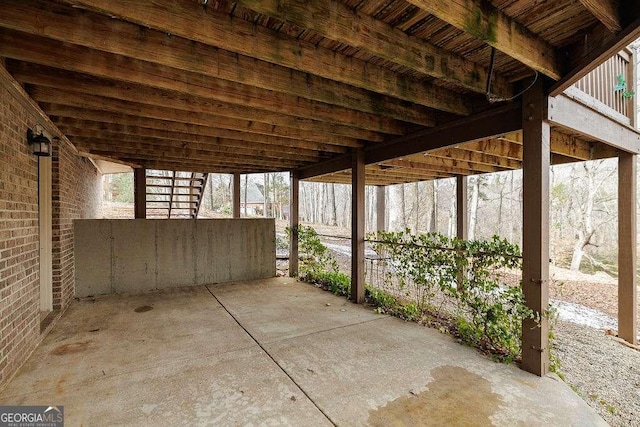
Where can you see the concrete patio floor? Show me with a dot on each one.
(273, 352)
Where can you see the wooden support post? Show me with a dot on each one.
(462, 210)
(381, 208)
(357, 226)
(294, 222)
(535, 269)
(627, 282)
(140, 192)
(235, 199)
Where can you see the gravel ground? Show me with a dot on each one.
(605, 373)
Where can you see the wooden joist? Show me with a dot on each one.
(177, 139)
(485, 22)
(105, 120)
(78, 59)
(336, 21)
(93, 102)
(606, 11)
(188, 19)
(76, 84)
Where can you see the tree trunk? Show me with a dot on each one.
(403, 207)
(473, 211)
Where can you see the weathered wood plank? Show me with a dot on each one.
(235, 196)
(535, 265)
(183, 149)
(140, 193)
(627, 248)
(80, 27)
(223, 31)
(487, 23)
(572, 115)
(169, 139)
(337, 22)
(606, 11)
(357, 226)
(78, 100)
(173, 130)
(294, 222)
(78, 59)
(79, 84)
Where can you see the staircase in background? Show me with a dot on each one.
(173, 194)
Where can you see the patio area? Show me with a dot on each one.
(273, 352)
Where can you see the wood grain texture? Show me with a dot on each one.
(606, 11)
(487, 23)
(627, 248)
(337, 22)
(78, 27)
(222, 31)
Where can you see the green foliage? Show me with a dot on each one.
(621, 86)
(489, 312)
(334, 281)
(122, 187)
(315, 256)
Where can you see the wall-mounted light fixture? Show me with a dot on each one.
(39, 144)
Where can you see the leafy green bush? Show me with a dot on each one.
(314, 255)
(334, 281)
(489, 312)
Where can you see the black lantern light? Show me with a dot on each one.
(39, 144)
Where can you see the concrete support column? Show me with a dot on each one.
(140, 192)
(235, 198)
(627, 282)
(462, 208)
(357, 226)
(294, 222)
(381, 208)
(535, 269)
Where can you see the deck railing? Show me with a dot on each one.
(610, 88)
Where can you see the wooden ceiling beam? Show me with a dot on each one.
(76, 26)
(507, 118)
(173, 130)
(80, 100)
(80, 84)
(82, 60)
(186, 166)
(201, 124)
(484, 158)
(188, 19)
(338, 22)
(150, 151)
(487, 23)
(215, 145)
(606, 11)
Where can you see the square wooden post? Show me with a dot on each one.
(357, 226)
(140, 193)
(235, 199)
(627, 282)
(294, 186)
(381, 208)
(535, 266)
(462, 209)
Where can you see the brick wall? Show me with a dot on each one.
(76, 194)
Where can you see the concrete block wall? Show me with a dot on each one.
(76, 190)
(124, 256)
